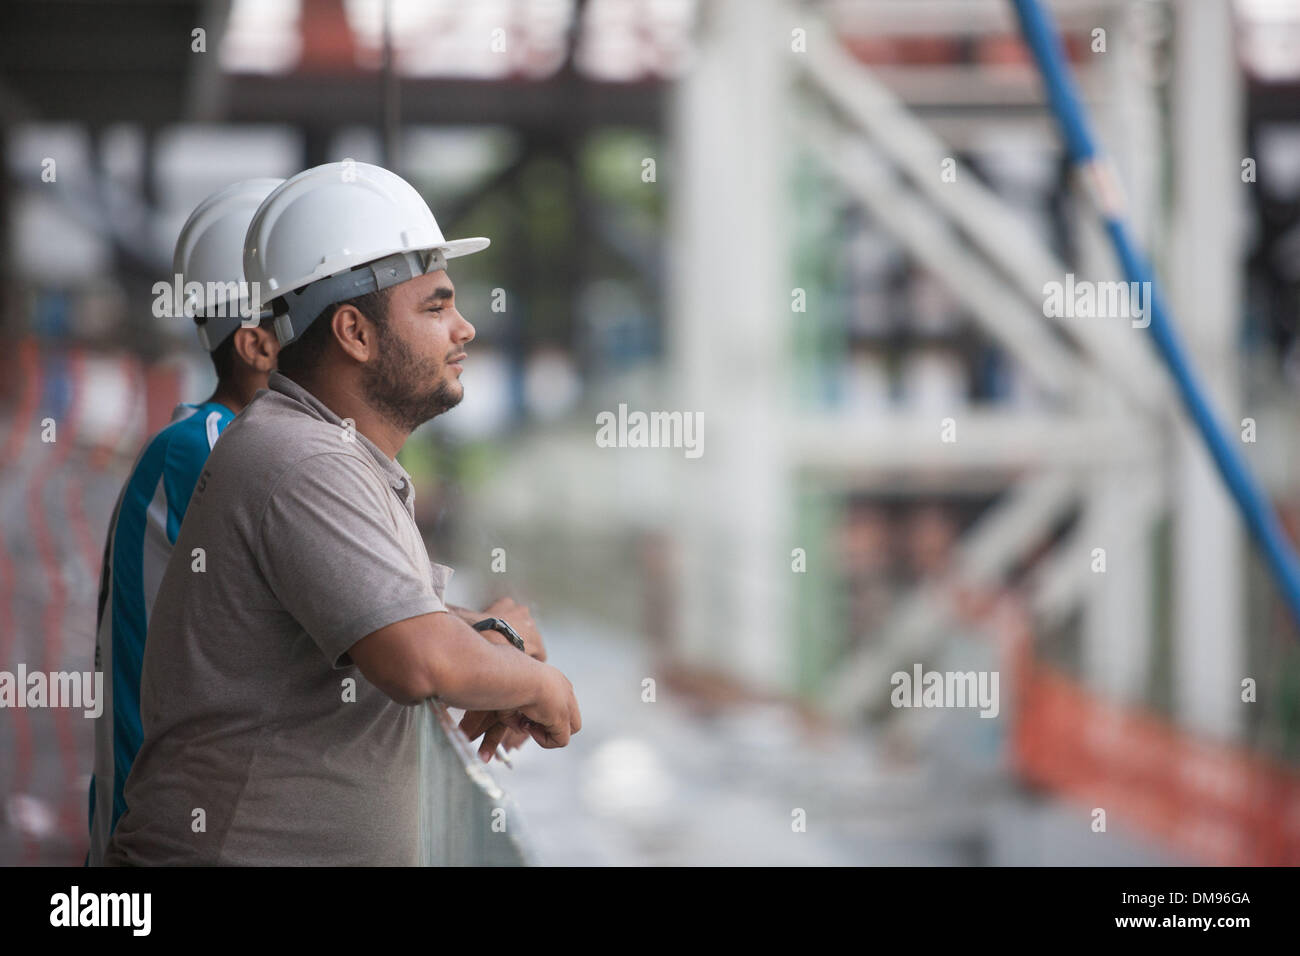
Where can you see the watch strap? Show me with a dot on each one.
(501, 627)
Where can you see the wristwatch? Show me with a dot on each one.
(497, 624)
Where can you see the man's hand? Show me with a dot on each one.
(520, 618)
(550, 720)
(477, 722)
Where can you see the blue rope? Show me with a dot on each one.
(1041, 37)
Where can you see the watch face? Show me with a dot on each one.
(513, 635)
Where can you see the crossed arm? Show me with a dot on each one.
(508, 697)
(520, 618)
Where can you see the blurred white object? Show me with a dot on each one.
(1279, 156)
(57, 248)
(626, 778)
(934, 380)
(551, 385)
(261, 37)
(108, 402)
(30, 815)
(866, 383)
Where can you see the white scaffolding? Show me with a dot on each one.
(1110, 444)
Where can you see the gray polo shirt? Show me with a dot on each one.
(263, 743)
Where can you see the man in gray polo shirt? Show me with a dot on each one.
(300, 616)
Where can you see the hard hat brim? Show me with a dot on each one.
(463, 247)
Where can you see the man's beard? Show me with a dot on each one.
(396, 385)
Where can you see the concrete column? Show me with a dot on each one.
(730, 342)
(1205, 268)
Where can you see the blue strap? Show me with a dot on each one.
(1261, 518)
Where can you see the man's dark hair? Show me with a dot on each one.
(303, 355)
(223, 356)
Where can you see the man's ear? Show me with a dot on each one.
(354, 333)
(257, 348)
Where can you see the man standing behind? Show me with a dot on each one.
(284, 655)
(149, 511)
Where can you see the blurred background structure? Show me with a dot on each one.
(826, 227)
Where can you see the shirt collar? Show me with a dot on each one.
(395, 473)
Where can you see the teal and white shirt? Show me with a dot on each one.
(140, 538)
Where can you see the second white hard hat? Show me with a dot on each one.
(311, 234)
(209, 257)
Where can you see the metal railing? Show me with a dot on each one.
(466, 817)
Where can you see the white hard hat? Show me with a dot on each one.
(324, 223)
(209, 251)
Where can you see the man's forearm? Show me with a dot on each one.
(478, 675)
(465, 614)
(473, 617)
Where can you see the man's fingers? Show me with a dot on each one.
(490, 741)
(476, 721)
(472, 724)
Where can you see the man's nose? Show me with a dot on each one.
(464, 331)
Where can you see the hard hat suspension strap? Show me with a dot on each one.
(306, 304)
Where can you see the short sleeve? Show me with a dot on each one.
(187, 452)
(330, 550)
